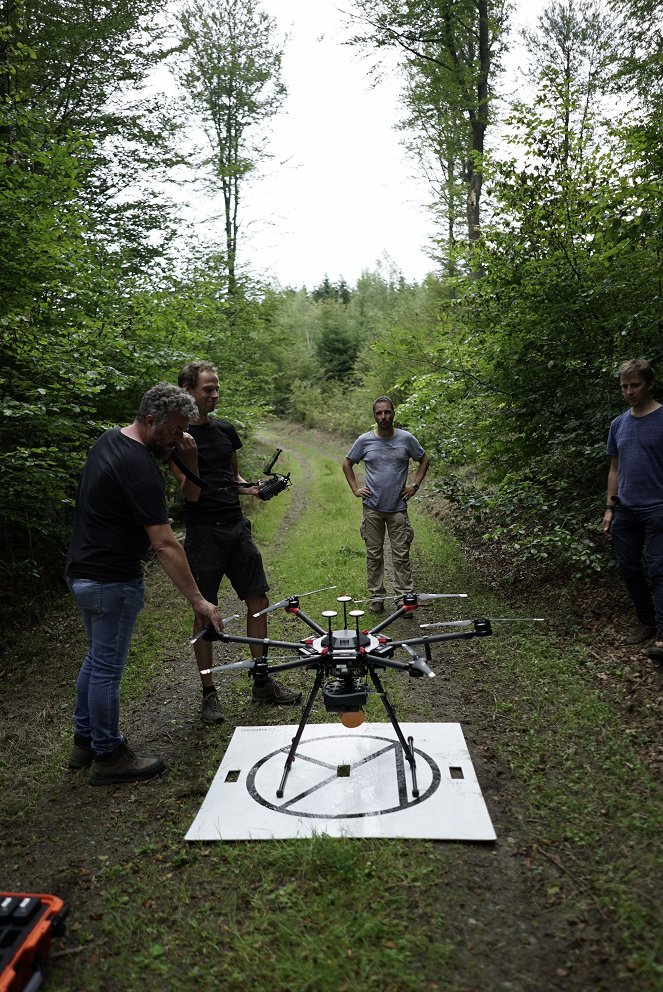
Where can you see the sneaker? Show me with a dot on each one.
(211, 710)
(656, 652)
(643, 632)
(81, 756)
(124, 766)
(377, 606)
(274, 692)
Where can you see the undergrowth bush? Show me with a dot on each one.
(531, 522)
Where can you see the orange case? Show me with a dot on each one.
(28, 921)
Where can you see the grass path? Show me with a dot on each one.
(567, 899)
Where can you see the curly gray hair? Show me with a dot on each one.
(162, 400)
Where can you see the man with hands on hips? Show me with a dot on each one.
(386, 452)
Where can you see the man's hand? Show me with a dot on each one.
(407, 492)
(249, 490)
(364, 492)
(187, 449)
(208, 613)
(608, 518)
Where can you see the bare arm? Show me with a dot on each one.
(613, 485)
(410, 490)
(187, 449)
(349, 472)
(171, 556)
(242, 490)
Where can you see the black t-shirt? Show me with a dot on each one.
(219, 500)
(120, 492)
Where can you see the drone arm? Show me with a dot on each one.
(265, 642)
(307, 620)
(399, 666)
(387, 620)
(460, 636)
(209, 634)
(308, 661)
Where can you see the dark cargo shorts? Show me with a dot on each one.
(219, 549)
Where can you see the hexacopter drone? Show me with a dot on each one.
(343, 660)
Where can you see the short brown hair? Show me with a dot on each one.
(383, 399)
(189, 375)
(636, 366)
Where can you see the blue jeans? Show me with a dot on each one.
(109, 616)
(634, 531)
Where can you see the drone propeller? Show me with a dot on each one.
(284, 602)
(426, 597)
(422, 597)
(418, 662)
(205, 629)
(232, 666)
(249, 663)
(470, 623)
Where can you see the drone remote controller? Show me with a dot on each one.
(277, 483)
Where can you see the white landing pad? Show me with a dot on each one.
(345, 783)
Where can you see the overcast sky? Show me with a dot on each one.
(340, 193)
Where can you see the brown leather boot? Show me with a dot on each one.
(122, 765)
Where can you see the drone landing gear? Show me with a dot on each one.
(300, 730)
(407, 745)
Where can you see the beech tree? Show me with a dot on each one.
(451, 51)
(232, 75)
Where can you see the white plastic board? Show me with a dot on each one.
(374, 800)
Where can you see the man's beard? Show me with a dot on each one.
(159, 446)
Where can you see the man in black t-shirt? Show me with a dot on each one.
(120, 512)
(218, 535)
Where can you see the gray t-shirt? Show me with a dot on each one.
(386, 461)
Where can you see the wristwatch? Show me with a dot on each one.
(415, 486)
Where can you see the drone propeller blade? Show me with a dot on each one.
(470, 623)
(232, 666)
(204, 630)
(284, 602)
(449, 623)
(418, 662)
(425, 597)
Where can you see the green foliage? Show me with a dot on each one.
(232, 78)
(451, 58)
(338, 343)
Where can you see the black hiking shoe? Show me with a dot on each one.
(656, 652)
(81, 755)
(643, 632)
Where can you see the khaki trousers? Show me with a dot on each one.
(399, 530)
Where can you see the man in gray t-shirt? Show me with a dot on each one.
(386, 453)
